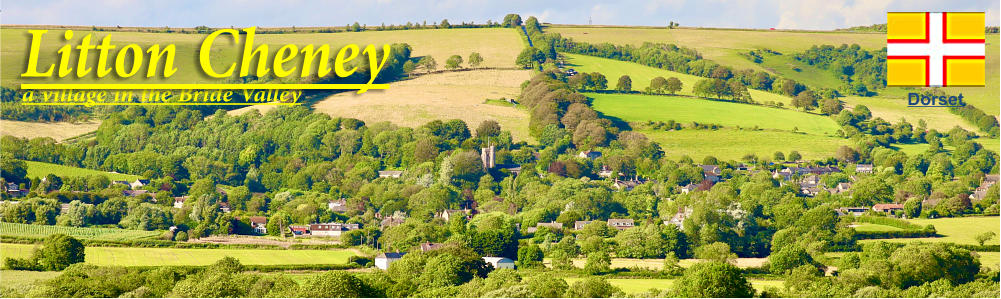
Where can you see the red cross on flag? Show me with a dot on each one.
(935, 49)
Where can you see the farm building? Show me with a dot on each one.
(14, 191)
(383, 260)
(331, 229)
(620, 224)
(888, 207)
(299, 230)
(499, 262)
(259, 223)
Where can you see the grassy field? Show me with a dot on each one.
(92, 233)
(895, 109)
(642, 108)
(130, 256)
(449, 95)
(734, 144)
(641, 75)
(960, 230)
(657, 264)
(498, 46)
(787, 65)
(869, 227)
(639, 285)
(58, 130)
(40, 169)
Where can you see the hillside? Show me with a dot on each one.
(57, 130)
(449, 95)
(40, 169)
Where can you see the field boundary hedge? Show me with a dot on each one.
(908, 230)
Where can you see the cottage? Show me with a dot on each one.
(842, 188)
(338, 206)
(398, 217)
(179, 201)
(14, 191)
(383, 260)
(551, 225)
(627, 185)
(620, 224)
(854, 211)
(499, 262)
(447, 214)
(888, 207)
(579, 225)
(428, 246)
(390, 173)
(863, 168)
(589, 155)
(125, 183)
(224, 207)
(259, 223)
(139, 184)
(605, 172)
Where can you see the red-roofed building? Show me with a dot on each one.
(888, 207)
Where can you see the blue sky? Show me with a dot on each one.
(783, 14)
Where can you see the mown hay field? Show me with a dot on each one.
(447, 95)
(136, 256)
(41, 169)
(56, 130)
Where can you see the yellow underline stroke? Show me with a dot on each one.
(116, 86)
(161, 104)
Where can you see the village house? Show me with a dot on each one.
(711, 172)
(620, 223)
(854, 211)
(383, 260)
(138, 184)
(398, 217)
(447, 214)
(428, 246)
(864, 168)
(579, 225)
(981, 191)
(679, 218)
(551, 225)
(888, 207)
(605, 172)
(224, 207)
(14, 191)
(125, 183)
(338, 205)
(179, 201)
(842, 188)
(259, 223)
(390, 173)
(589, 155)
(499, 262)
(627, 185)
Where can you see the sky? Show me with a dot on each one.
(781, 14)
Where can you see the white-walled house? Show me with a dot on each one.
(383, 260)
(499, 262)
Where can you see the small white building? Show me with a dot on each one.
(499, 262)
(383, 260)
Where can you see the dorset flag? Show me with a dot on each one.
(935, 49)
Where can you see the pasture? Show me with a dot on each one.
(895, 109)
(134, 256)
(642, 108)
(732, 144)
(41, 169)
(959, 230)
(641, 76)
(91, 233)
(17, 283)
(448, 95)
(721, 45)
(498, 46)
(56, 130)
(657, 264)
(640, 285)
